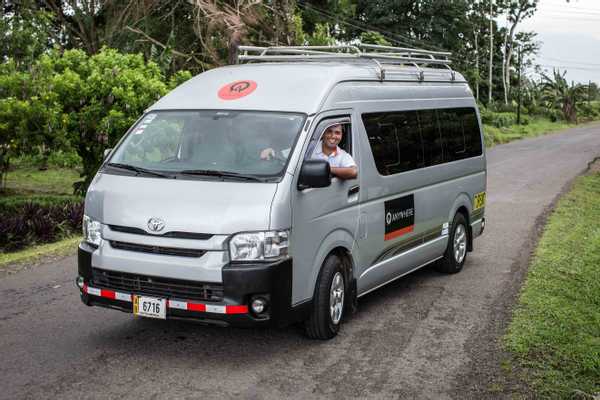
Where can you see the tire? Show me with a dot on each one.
(323, 323)
(456, 251)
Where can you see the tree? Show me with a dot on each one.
(29, 117)
(371, 37)
(26, 32)
(222, 26)
(91, 24)
(558, 94)
(100, 98)
(593, 91)
(517, 11)
(491, 51)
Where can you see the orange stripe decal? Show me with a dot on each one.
(399, 232)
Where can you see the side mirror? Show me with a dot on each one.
(314, 174)
(106, 153)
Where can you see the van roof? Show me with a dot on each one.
(287, 86)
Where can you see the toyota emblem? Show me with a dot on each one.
(156, 224)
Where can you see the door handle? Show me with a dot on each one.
(353, 190)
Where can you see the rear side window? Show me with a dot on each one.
(460, 133)
(473, 145)
(406, 140)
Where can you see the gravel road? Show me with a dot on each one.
(426, 336)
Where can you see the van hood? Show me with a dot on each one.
(197, 206)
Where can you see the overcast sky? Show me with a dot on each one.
(570, 36)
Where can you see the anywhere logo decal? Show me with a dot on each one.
(399, 216)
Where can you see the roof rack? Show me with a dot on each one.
(380, 55)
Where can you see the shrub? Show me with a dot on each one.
(499, 120)
(589, 111)
(506, 108)
(72, 101)
(38, 219)
(553, 115)
(58, 159)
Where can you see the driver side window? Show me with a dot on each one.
(345, 142)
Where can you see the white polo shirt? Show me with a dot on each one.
(338, 159)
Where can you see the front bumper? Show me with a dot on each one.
(240, 283)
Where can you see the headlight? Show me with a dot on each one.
(91, 231)
(254, 246)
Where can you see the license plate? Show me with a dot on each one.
(150, 307)
(479, 201)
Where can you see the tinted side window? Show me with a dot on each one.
(406, 140)
(395, 141)
(453, 137)
(409, 139)
(432, 140)
(460, 133)
(472, 133)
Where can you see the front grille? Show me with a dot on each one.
(174, 234)
(167, 251)
(158, 286)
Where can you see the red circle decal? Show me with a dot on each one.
(236, 90)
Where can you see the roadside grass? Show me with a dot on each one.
(25, 180)
(535, 127)
(63, 247)
(31, 190)
(555, 332)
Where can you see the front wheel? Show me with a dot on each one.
(328, 307)
(456, 251)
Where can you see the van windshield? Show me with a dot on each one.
(210, 143)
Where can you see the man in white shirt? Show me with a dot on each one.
(341, 163)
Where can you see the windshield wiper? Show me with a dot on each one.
(227, 174)
(139, 170)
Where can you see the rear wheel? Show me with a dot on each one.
(328, 306)
(456, 251)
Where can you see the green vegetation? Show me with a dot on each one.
(68, 100)
(30, 255)
(535, 127)
(561, 95)
(38, 207)
(9, 204)
(57, 181)
(555, 333)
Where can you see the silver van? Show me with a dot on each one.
(187, 217)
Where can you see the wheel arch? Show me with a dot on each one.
(339, 243)
(463, 205)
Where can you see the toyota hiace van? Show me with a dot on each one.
(185, 219)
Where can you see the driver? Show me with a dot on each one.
(342, 164)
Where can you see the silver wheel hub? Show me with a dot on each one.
(336, 298)
(460, 244)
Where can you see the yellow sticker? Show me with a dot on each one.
(478, 201)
